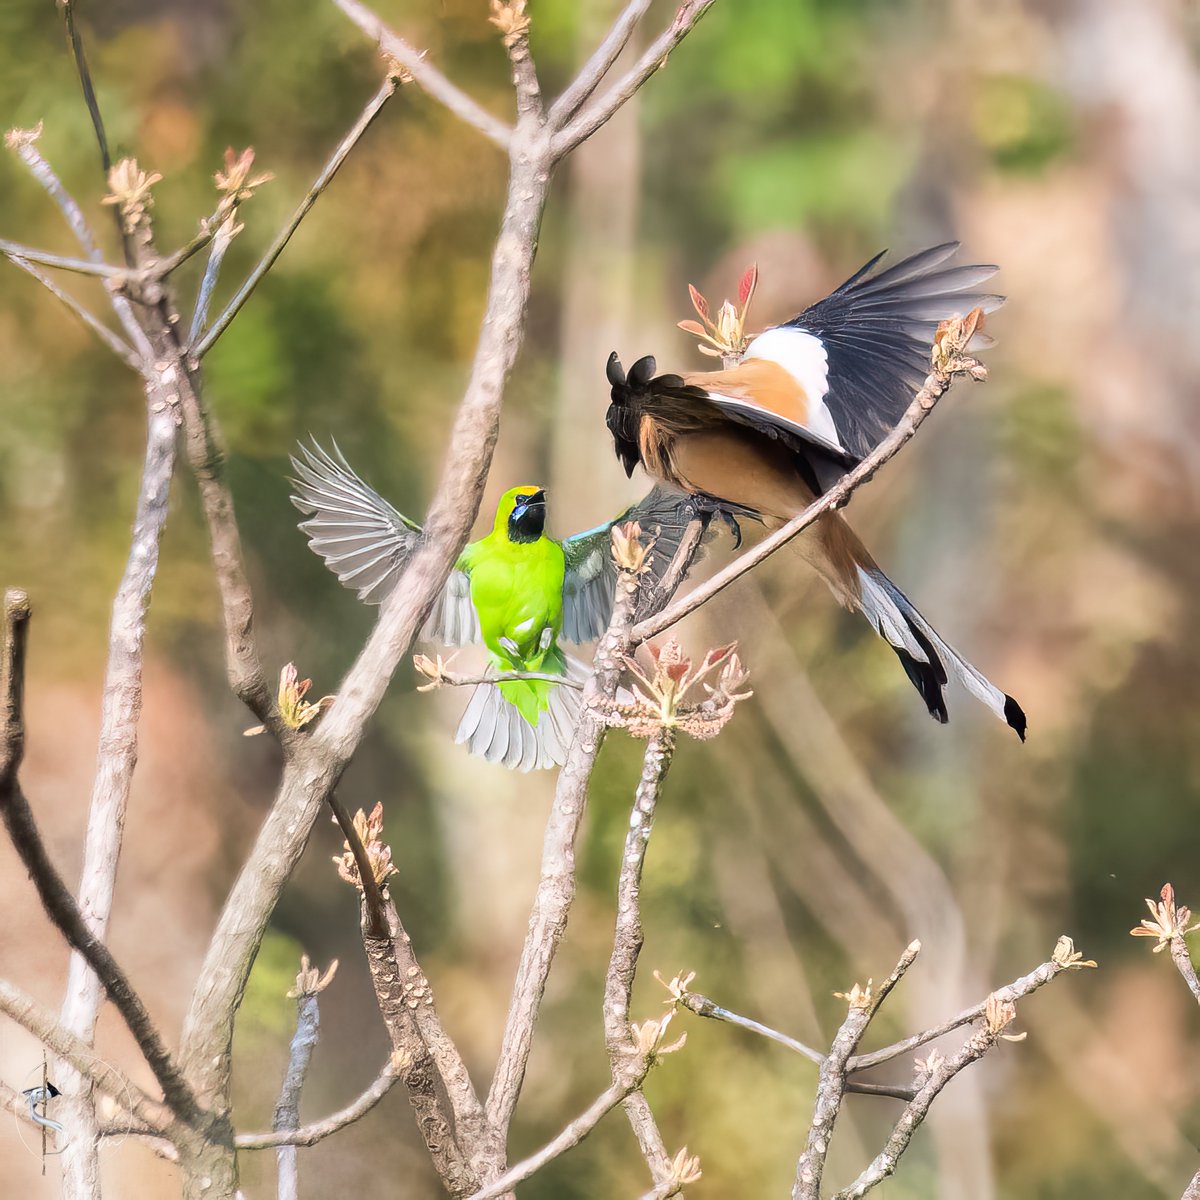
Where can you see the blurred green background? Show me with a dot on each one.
(1046, 524)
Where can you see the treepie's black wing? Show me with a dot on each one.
(877, 331)
(591, 575)
(366, 542)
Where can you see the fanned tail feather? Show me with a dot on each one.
(927, 659)
(494, 729)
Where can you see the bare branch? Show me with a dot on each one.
(115, 762)
(45, 1027)
(702, 1006)
(221, 241)
(375, 913)
(936, 384)
(1183, 963)
(287, 1106)
(650, 1141)
(426, 75)
(207, 458)
(23, 143)
(510, 17)
(590, 75)
(556, 884)
(1023, 986)
(120, 348)
(61, 908)
(400, 998)
(78, 266)
(317, 1131)
(658, 595)
(434, 669)
(386, 90)
(85, 82)
(569, 1137)
(121, 707)
(13, 650)
(627, 943)
(884, 1164)
(831, 1085)
(601, 110)
(57, 900)
(892, 1091)
(483, 1147)
(628, 936)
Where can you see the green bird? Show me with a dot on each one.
(516, 590)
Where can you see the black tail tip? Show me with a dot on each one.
(1014, 714)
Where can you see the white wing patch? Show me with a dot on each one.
(804, 358)
(806, 431)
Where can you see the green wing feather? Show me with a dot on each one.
(591, 574)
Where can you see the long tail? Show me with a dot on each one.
(494, 729)
(928, 660)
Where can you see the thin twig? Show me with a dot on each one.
(658, 595)
(374, 909)
(570, 1136)
(831, 1086)
(386, 91)
(936, 384)
(57, 900)
(452, 679)
(426, 75)
(209, 227)
(601, 110)
(119, 347)
(13, 650)
(598, 65)
(42, 1023)
(23, 143)
(1023, 986)
(917, 1109)
(702, 1006)
(287, 1107)
(892, 1091)
(1183, 963)
(85, 82)
(317, 1131)
(216, 256)
(61, 908)
(556, 883)
(78, 266)
(627, 944)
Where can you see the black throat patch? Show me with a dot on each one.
(527, 521)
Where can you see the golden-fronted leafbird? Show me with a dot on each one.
(807, 401)
(516, 590)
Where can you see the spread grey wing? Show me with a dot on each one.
(366, 542)
(591, 575)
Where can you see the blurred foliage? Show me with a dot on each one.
(1028, 523)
